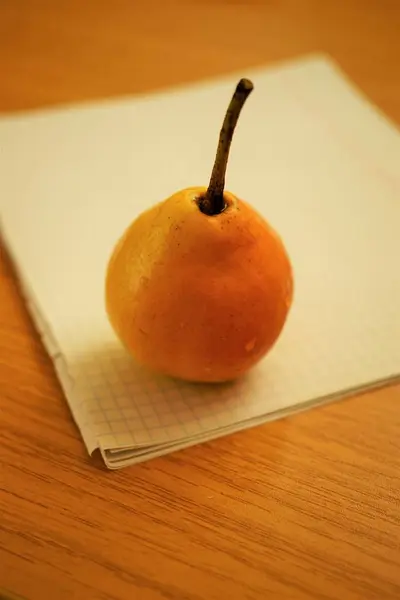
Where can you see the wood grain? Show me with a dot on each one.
(304, 508)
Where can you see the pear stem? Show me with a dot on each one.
(213, 202)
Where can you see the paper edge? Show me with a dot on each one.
(246, 425)
(53, 351)
(123, 99)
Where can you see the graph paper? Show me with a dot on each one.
(310, 153)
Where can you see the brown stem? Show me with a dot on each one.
(213, 202)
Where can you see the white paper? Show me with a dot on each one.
(310, 153)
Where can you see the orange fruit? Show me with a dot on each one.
(199, 286)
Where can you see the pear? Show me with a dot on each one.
(199, 286)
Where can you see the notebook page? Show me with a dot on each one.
(328, 183)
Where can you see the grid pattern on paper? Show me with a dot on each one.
(128, 407)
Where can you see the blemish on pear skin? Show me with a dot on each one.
(250, 345)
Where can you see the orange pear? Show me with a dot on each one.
(200, 285)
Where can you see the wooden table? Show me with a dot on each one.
(304, 508)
